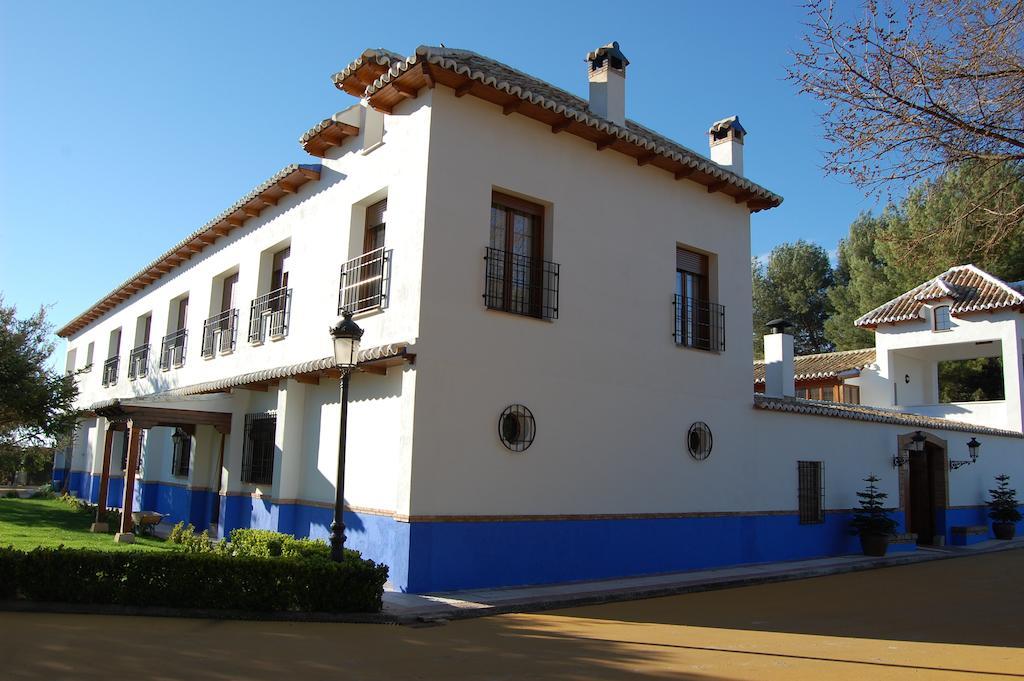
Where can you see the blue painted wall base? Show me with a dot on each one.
(447, 556)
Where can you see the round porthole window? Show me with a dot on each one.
(516, 428)
(699, 441)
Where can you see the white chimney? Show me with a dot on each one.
(726, 137)
(778, 361)
(606, 70)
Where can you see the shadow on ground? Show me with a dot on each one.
(970, 600)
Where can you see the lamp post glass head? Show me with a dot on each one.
(917, 442)
(972, 447)
(346, 334)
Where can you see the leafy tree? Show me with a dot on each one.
(913, 90)
(36, 402)
(794, 285)
(1002, 504)
(922, 236)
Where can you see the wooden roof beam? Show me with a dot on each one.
(309, 379)
(404, 90)
(605, 142)
(464, 88)
(561, 125)
(309, 173)
(645, 159)
(233, 221)
(251, 212)
(287, 188)
(685, 172)
(428, 77)
(511, 106)
(715, 186)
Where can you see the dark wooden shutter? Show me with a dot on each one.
(689, 261)
(375, 213)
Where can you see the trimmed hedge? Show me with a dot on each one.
(191, 580)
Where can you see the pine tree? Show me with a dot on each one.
(872, 517)
(1002, 507)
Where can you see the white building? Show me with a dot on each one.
(556, 375)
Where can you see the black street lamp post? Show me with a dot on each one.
(346, 334)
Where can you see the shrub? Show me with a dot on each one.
(9, 563)
(74, 502)
(269, 544)
(185, 539)
(44, 492)
(11, 494)
(192, 580)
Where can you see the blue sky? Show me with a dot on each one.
(125, 126)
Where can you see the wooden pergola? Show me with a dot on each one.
(134, 419)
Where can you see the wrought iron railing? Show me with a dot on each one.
(268, 315)
(220, 332)
(172, 350)
(365, 282)
(138, 362)
(110, 368)
(699, 324)
(520, 284)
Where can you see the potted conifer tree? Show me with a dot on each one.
(1002, 508)
(871, 521)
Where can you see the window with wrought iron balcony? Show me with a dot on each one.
(366, 279)
(138, 358)
(113, 362)
(269, 313)
(220, 330)
(699, 323)
(517, 279)
(172, 347)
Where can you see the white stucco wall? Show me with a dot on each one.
(323, 225)
(611, 392)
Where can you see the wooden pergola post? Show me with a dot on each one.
(126, 536)
(101, 504)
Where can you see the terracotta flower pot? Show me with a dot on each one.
(874, 544)
(1004, 530)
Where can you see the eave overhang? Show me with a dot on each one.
(400, 79)
(283, 183)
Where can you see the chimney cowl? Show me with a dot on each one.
(608, 54)
(779, 325)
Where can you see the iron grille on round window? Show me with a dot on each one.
(699, 441)
(516, 428)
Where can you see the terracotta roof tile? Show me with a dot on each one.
(823, 365)
(543, 94)
(859, 412)
(968, 289)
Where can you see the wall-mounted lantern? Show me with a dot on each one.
(916, 445)
(972, 450)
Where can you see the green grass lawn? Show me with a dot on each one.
(28, 523)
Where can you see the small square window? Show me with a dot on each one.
(941, 320)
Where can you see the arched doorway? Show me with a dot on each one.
(924, 489)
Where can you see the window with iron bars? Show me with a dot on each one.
(172, 350)
(365, 281)
(219, 333)
(520, 284)
(268, 315)
(138, 362)
(258, 449)
(811, 491)
(699, 324)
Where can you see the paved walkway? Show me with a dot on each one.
(481, 602)
(945, 620)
